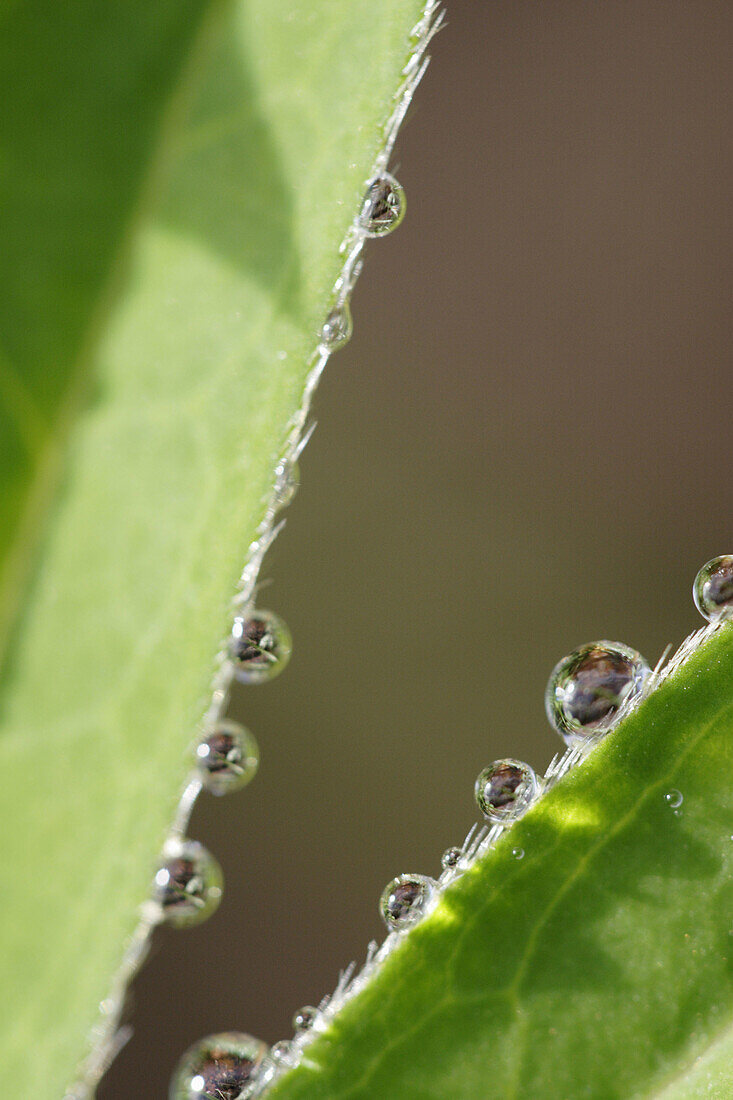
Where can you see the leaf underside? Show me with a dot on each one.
(175, 179)
(598, 966)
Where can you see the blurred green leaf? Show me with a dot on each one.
(175, 179)
(600, 965)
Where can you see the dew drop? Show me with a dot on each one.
(588, 686)
(281, 1052)
(337, 328)
(287, 483)
(219, 1067)
(505, 790)
(403, 902)
(451, 857)
(384, 206)
(227, 758)
(187, 884)
(713, 589)
(674, 798)
(304, 1018)
(260, 647)
(518, 853)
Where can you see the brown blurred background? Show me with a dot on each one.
(525, 446)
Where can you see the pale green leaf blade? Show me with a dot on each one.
(179, 320)
(600, 965)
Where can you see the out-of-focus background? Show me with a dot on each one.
(525, 446)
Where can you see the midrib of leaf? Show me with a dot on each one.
(18, 564)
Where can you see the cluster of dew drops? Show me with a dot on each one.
(586, 694)
(187, 886)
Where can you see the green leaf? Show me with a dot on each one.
(176, 177)
(599, 965)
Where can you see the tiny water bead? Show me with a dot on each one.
(505, 790)
(188, 884)
(281, 1052)
(287, 483)
(713, 589)
(404, 900)
(518, 853)
(219, 1067)
(451, 857)
(674, 798)
(304, 1018)
(588, 686)
(337, 328)
(384, 206)
(260, 646)
(227, 758)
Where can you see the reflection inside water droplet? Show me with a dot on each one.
(505, 790)
(227, 758)
(587, 688)
(404, 900)
(384, 206)
(713, 589)
(188, 884)
(220, 1067)
(260, 646)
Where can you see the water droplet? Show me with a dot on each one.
(337, 328)
(674, 798)
(287, 483)
(713, 589)
(518, 853)
(220, 1067)
(260, 646)
(188, 883)
(281, 1052)
(304, 1018)
(451, 857)
(505, 790)
(588, 686)
(227, 758)
(384, 206)
(404, 900)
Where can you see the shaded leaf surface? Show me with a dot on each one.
(600, 965)
(175, 182)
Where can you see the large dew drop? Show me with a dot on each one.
(384, 206)
(188, 883)
(587, 688)
(220, 1067)
(403, 902)
(713, 589)
(505, 790)
(227, 758)
(260, 646)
